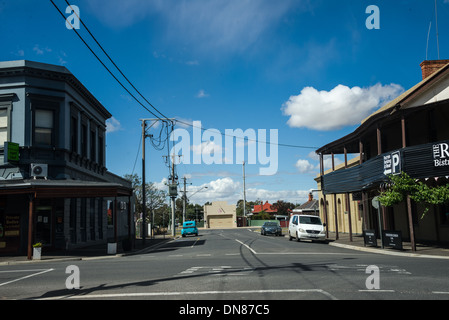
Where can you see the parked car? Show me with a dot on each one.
(306, 227)
(189, 227)
(271, 228)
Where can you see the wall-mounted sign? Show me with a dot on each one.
(440, 154)
(11, 152)
(392, 163)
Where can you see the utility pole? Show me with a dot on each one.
(173, 192)
(185, 202)
(144, 206)
(244, 191)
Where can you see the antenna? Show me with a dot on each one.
(428, 35)
(436, 17)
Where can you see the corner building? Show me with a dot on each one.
(54, 184)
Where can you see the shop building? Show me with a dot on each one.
(409, 134)
(54, 184)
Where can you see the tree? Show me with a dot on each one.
(154, 198)
(283, 208)
(403, 185)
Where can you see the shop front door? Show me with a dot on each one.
(44, 225)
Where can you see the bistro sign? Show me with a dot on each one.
(440, 154)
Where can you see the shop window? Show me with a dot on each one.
(72, 220)
(110, 206)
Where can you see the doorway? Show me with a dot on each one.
(43, 224)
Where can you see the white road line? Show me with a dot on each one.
(29, 270)
(440, 292)
(195, 243)
(156, 294)
(250, 249)
(25, 277)
(376, 290)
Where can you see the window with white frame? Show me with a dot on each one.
(3, 126)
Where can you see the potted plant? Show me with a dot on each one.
(37, 251)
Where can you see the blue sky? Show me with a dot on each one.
(311, 70)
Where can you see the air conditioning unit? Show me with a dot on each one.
(39, 170)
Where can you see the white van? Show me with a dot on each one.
(306, 227)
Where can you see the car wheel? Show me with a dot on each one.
(290, 238)
(297, 237)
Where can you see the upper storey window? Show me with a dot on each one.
(44, 127)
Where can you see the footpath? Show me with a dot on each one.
(422, 250)
(89, 252)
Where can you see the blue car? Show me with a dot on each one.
(189, 227)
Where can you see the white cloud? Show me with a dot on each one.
(227, 189)
(207, 147)
(202, 94)
(340, 107)
(40, 50)
(304, 166)
(113, 125)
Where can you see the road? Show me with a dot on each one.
(239, 265)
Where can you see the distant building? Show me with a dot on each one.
(219, 215)
(309, 207)
(264, 207)
(54, 184)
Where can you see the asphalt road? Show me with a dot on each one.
(239, 265)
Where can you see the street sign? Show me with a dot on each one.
(11, 152)
(375, 202)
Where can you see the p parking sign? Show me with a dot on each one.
(392, 163)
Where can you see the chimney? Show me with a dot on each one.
(429, 67)
(310, 196)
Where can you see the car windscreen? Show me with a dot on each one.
(270, 224)
(309, 220)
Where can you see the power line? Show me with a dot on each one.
(112, 61)
(102, 63)
(141, 95)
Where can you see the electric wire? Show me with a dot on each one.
(115, 65)
(102, 63)
(143, 97)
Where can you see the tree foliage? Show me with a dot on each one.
(403, 185)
